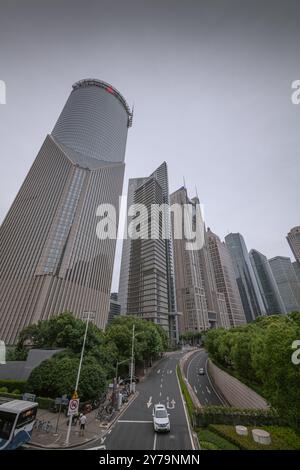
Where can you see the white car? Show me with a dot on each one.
(201, 371)
(161, 420)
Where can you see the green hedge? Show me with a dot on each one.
(233, 416)
(282, 438)
(187, 397)
(12, 385)
(44, 403)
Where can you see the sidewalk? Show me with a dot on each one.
(94, 429)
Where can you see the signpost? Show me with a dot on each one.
(73, 406)
(28, 397)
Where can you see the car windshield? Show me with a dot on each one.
(161, 414)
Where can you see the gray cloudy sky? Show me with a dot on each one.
(211, 83)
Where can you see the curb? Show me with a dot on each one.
(92, 439)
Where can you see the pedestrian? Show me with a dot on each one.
(82, 420)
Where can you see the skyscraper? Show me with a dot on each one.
(198, 300)
(245, 277)
(114, 307)
(287, 282)
(296, 266)
(51, 258)
(225, 279)
(293, 238)
(146, 285)
(266, 283)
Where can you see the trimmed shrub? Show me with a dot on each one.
(283, 438)
(13, 385)
(233, 416)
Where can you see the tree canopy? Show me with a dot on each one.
(260, 353)
(57, 376)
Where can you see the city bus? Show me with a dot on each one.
(17, 418)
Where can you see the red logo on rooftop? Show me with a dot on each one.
(109, 89)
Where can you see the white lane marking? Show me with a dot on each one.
(202, 392)
(200, 384)
(149, 403)
(154, 443)
(195, 390)
(211, 384)
(188, 369)
(186, 415)
(173, 403)
(158, 371)
(103, 439)
(132, 421)
(108, 432)
(160, 394)
(208, 391)
(160, 385)
(97, 448)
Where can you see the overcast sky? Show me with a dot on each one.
(211, 83)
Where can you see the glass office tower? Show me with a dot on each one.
(266, 283)
(51, 258)
(245, 277)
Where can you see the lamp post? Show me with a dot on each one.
(116, 379)
(134, 335)
(88, 316)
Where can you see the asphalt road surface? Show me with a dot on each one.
(201, 384)
(134, 428)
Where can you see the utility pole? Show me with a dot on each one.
(132, 357)
(86, 315)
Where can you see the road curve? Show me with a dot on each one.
(201, 384)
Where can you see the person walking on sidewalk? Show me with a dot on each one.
(82, 421)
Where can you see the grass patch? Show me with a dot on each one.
(283, 438)
(185, 392)
(209, 440)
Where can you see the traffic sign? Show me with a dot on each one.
(73, 406)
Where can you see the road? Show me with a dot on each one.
(134, 428)
(201, 384)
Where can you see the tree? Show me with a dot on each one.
(60, 331)
(57, 376)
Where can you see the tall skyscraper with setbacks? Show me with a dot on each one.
(51, 258)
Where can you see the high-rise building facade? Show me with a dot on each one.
(287, 282)
(245, 277)
(190, 293)
(296, 266)
(266, 283)
(114, 307)
(198, 301)
(147, 285)
(293, 238)
(225, 279)
(51, 258)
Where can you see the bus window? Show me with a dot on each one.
(6, 424)
(26, 417)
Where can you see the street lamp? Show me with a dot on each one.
(88, 316)
(116, 379)
(134, 335)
